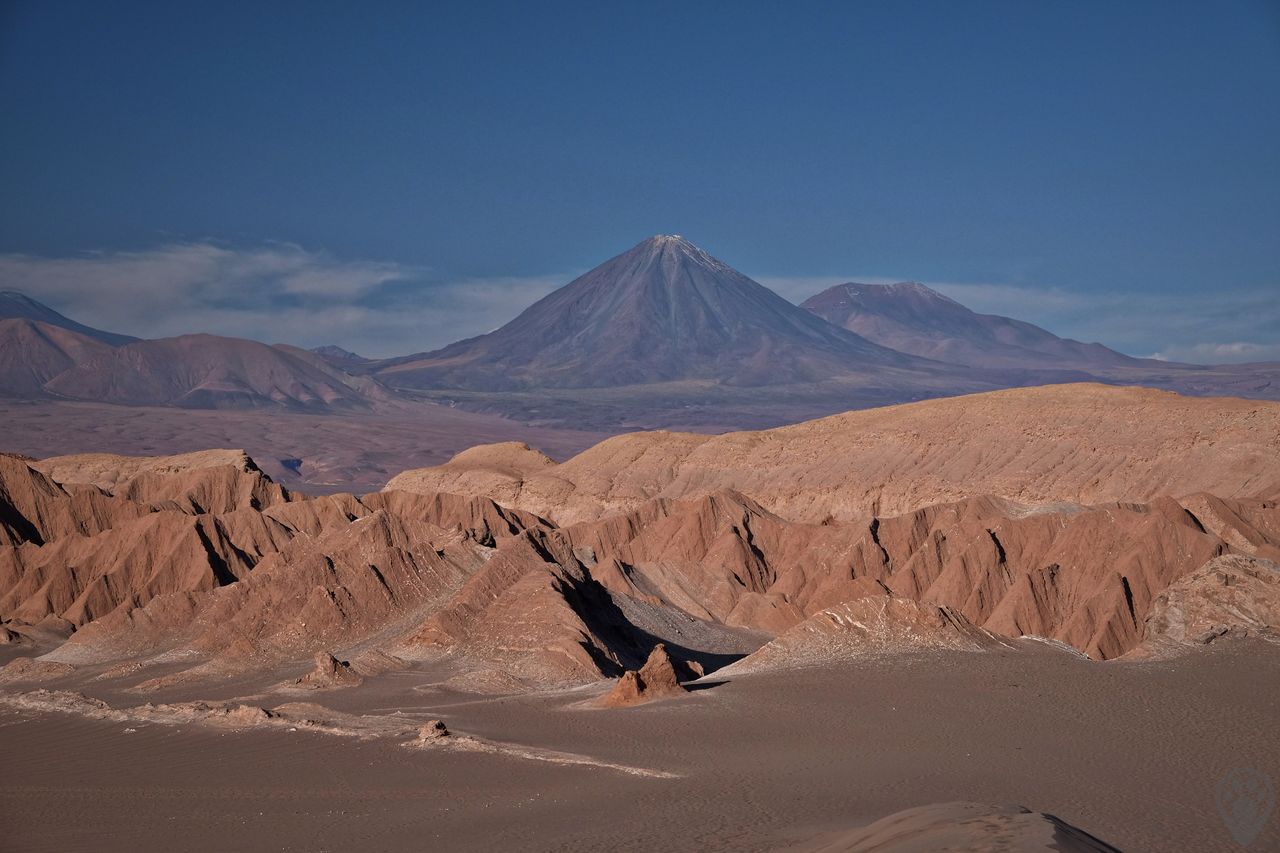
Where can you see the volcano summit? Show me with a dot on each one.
(663, 311)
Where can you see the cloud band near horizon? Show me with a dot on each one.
(281, 292)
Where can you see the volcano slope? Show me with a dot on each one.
(600, 330)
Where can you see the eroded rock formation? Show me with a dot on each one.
(204, 557)
(657, 679)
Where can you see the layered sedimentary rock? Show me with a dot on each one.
(204, 558)
(872, 625)
(1230, 595)
(1075, 443)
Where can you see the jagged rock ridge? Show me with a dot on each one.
(217, 562)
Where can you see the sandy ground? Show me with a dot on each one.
(357, 452)
(1130, 752)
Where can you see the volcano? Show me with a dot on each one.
(19, 306)
(916, 319)
(664, 311)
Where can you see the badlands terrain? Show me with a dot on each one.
(1033, 619)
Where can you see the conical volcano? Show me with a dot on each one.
(19, 306)
(663, 311)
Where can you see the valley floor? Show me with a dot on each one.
(1128, 751)
(316, 454)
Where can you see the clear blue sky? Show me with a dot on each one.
(1082, 150)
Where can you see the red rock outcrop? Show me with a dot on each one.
(329, 672)
(1232, 595)
(536, 611)
(34, 508)
(657, 679)
(1082, 575)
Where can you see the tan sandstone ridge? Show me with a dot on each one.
(110, 470)
(875, 624)
(1083, 443)
(1233, 594)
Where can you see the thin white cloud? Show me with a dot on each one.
(1212, 327)
(1238, 352)
(182, 269)
(276, 293)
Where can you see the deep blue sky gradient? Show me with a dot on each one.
(1091, 146)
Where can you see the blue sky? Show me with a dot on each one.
(390, 177)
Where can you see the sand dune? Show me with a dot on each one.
(966, 826)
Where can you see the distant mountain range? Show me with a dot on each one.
(43, 360)
(336, 355)
(664, 334)
(912, 318)
(664, 311)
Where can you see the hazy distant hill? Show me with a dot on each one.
(60, 358)
(339, 357)
(14, 305)
(208, 372)
(32, 353)
(915, 319)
